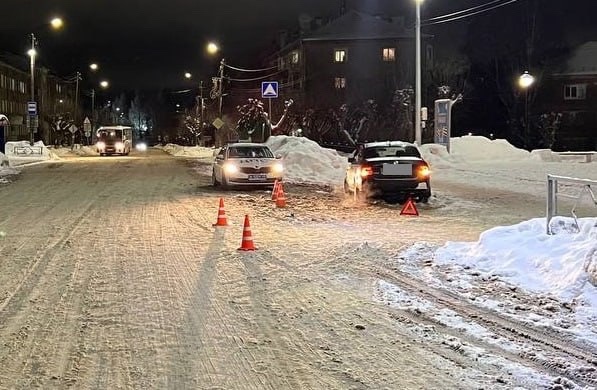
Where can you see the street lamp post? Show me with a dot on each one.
(55, 23)
(525, 81)
(32, 53)
(418, 131)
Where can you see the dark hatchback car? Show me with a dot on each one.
(388, 169)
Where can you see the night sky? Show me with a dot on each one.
(149, 44)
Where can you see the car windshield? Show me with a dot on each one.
(250, 152)
(391, 151)
(109, 135)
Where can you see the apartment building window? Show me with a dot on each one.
(340, 82)
(575, 92)
(294, 57)
(340, 55)
(388, 54)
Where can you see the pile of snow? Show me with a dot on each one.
(307, 162)
(20, 152)
(3, 160)
(563, 264)
(187, 151)
(57, 153)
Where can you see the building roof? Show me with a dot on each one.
(583, 61)
(355, 25)
(15, 61)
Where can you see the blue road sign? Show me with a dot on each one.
(32, 108)
(269, 89)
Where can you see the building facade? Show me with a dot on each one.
(54, 96)
(572, 92)
(352, 59)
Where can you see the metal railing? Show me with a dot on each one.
(553, 193)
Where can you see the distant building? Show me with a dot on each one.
(54, 96)
(351, 59)
(572, 91)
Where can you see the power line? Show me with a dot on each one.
(463, 11)
(250, 70)
(254, 79)
(427, 23)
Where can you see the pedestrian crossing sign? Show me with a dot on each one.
(269, 89)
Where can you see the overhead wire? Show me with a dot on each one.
(249, 70)
(466, 13)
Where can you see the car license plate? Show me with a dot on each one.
(397, 169)
(257, 177)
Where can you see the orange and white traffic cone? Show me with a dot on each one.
(275, 190)
(280, 198)
(222, 221)
(247, 242)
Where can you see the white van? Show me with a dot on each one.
(114, 140)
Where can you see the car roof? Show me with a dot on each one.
(246, 145)
(387, 143)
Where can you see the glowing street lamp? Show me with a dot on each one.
(187, 75)
(93, 66)
(104, 84)
(212, 48)
(525, 81)
(57, 23)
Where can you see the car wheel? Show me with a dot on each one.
(425, 199)
(346, 187)
(214, 181)
(224, 183)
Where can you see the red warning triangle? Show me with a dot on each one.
(409, 208)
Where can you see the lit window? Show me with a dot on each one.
(340, 55)
(389, 54)
(294, 57)
(575, 92)
(340, 82)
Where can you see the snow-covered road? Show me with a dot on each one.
(112, 276)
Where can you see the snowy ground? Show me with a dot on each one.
(561, 268)
(547, 281)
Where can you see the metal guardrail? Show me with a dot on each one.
(553, 194)
(28, 150)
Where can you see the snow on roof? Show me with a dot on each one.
(583, 60)
(357, 25)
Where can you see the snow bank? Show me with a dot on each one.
(563, 264)
(187, 151)
(307, 162)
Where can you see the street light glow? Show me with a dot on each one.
(526, 80)
(31, 52)
(212, 48)
(187, 75)
(104, 84)
(57, 23)
(93, 66)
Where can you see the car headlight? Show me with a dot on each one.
(100, 145)
(230, 168)
(277, 168)
(141, 146)
(119, 145)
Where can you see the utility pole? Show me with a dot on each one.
(221, 86)
(93, 108)
(418, 131)
(78, 78)
(32, 120)
(201, 97)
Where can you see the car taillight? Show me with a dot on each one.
(423, 171)
(366, 171)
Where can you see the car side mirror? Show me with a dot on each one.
(278, 156)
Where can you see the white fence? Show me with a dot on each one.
(582, 186)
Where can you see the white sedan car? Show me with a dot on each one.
(246, 165)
